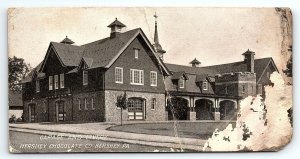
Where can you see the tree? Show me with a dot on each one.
(122, 103)
(17, 70)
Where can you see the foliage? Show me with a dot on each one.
(122, 101)
(12, 119)
(17, 70)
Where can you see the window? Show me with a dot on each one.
(79, 104)
(85, 104)
(136, 53)
(62, 80)
(243, 89)
(93, 104)
(226, 89)
(181, 83)
(50, 82)
(56, 81)
(37, 86)
(153, 103)
(119, 75)
(153, 78)
(85, 77)
(204, 86)
(136, 77)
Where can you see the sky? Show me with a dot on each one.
(212, 35)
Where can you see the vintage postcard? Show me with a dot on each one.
(149, 79)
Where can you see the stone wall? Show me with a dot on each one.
(113, 114)
(89, 114)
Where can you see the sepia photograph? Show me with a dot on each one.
(149, 79)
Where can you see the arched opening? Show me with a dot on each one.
(227, 110)
(177, 109)
(204, 109)
(60, 110)
(136, 108)
(32, 112)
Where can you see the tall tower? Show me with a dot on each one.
(158, 49)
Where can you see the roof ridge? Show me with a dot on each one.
(106, 38)
(235, 62)
(54, 42)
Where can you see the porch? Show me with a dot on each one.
(202, 108)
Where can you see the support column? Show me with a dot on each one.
(217, 112)
(192, 113)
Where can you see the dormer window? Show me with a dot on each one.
(136, 53)
(181, 83)
(204, 85)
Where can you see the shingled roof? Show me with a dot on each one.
(191, 70)
(259, 66)
(194, 74)
(101, 53)
(116, 23)
(31, 74)
(70, 55)
(104, 50)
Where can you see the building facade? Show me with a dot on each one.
(83, 83)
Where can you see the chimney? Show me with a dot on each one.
(115, 28)
(249, 60)
(195, 63)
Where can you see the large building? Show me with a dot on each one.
(83, 83)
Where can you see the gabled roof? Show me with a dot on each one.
(70, 55)
(31, 74)
(88, 61)
(178, 75)
(103, 51)
(259, 67)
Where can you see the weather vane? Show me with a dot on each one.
(155, 16)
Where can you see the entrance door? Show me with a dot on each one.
(136, 109)
(60, 111)
(32, 113)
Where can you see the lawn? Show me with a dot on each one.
(202, 130)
